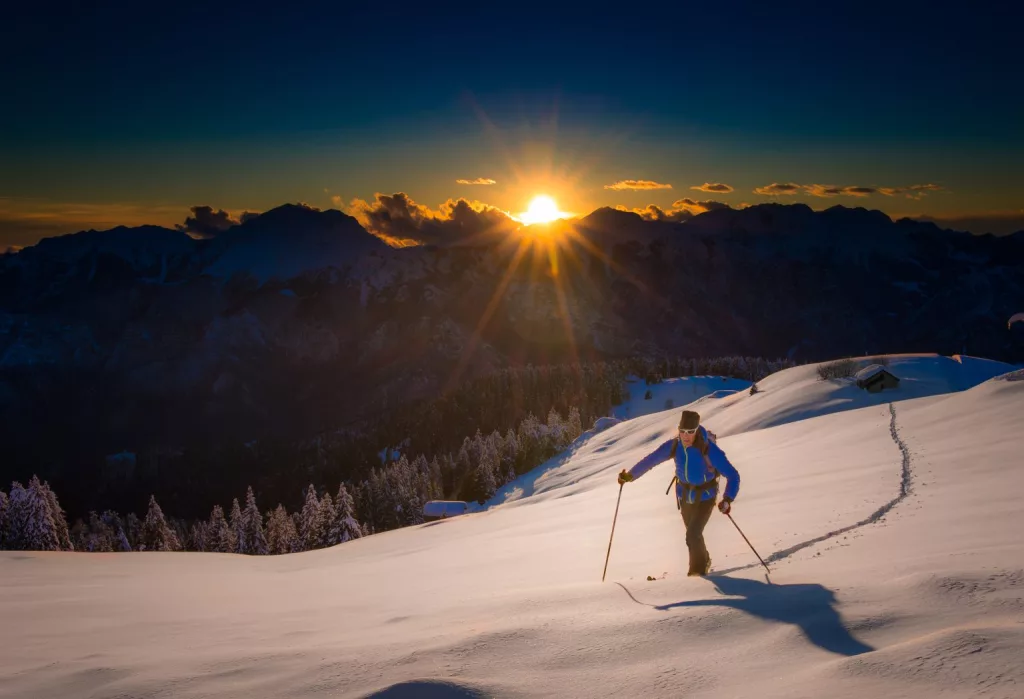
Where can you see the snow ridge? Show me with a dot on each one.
(906, 480)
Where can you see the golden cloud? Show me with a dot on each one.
(637, 184)
(714, 187)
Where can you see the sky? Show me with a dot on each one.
(126, 114)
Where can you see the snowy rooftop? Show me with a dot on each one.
(870, 371)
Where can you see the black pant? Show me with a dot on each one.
(695, 518)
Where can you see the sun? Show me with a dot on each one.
(542, 209)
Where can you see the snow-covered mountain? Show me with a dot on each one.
(891, 523)
(290, 241)
(299, 320)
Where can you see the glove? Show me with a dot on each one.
(625, 477)
(725, 506)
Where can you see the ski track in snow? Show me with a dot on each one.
(905, 490)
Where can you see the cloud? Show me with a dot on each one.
(637, 184)
(776, 189)
(827, 190)
(682, 209)
(916, 191)
(698, 207)
(716, 187)
(400, 221)
(207, 223)
(478, 180)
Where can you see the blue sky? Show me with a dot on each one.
(127, 114)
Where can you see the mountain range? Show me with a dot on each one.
(299, 320)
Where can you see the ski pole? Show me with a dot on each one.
(608, 555)
(748, 542)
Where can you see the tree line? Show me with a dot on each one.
(384, 475)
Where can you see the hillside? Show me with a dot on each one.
(920, 595)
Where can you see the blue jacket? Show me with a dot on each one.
(691, 468)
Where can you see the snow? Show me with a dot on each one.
(920, 594)
(674, 393)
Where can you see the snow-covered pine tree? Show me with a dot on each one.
(347, 526)
(4, 507)
(98, 535)
(281, 534)
(133, 531)
(487, 484)
(252, 526)
(237, 533)
(436, 481)
(574, 424)
(117, 527)
(79, 535)
(510, 455)
(326, 517)
(57, 515)
(309, 521)
(530, 441)
(17, 503)
(220, 538)
(556, 430)
(30, 526)
(198, 536)
(156, 534)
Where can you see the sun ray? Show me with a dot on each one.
(587, 245)
(492, 306)
(563, 304)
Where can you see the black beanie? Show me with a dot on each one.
(689, 420)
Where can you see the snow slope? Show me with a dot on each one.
(920, 595)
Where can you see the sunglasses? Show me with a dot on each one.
(685, 431)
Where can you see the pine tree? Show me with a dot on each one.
(510, 455)
(252, 526)
(309, 521)
(347, 526)
(556, 431)
(57, 515)
(220, 538)
(79, 535)
(574, 424)
(98, 535)
(486, 482)
(326, 517)
(237, 532)
(4, 507)
(133, 531)
(119, 537)
(16, 515)
(156, 534)
(199, 536)
(282, 536)
(30, 524)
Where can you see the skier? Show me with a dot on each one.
(699, 463)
